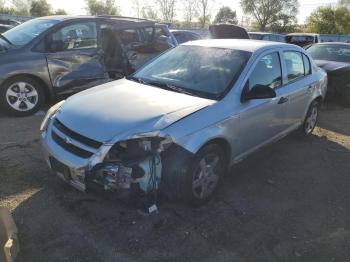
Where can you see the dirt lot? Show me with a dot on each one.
(288, 202)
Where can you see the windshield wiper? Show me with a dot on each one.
(4, 37)
(137, 79)
(178, 89)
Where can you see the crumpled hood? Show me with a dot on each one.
(126, 107)
(331, 66)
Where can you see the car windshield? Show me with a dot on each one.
(201, 71)
(26, 32)
(256, 36)
(336, 53)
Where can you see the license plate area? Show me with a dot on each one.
(60, 168)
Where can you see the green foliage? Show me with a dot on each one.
(40, 8)
(60, 11)
(21, 7)
(102, 7)
(149, 13)
(329, 20)
(279, 14)
(226, 16)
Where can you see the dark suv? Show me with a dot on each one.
(54, 56)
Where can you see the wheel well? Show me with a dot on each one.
(48, 94)
(224, 144)
(319, 99)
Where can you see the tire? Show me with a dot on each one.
(193, 178)
(21, 96)
(345, 97)
(311, 119)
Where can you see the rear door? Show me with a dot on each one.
(299, 85)
(75, 60)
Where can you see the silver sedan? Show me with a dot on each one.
(178, 123)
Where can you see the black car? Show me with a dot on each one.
(9, 22)
(335, 59)
(52, 56)
(4, 28)
(183, 36)
(267, 36)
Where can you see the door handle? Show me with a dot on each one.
(283, 100)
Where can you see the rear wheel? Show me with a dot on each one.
(21, 96)
(311, 118)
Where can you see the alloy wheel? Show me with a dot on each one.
(311, 120)
(206, 176)
(22, 96)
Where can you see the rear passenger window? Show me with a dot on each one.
(267, 72)
(72, 37)
(294, 64)
(307, 65)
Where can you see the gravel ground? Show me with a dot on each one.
(288, 202)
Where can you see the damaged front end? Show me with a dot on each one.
(133, 164)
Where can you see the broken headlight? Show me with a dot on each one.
(134, 150)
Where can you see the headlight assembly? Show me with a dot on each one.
(49, 114)
(138, 148)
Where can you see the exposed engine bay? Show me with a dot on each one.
(134, 165)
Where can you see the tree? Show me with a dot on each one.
(21, 7)
(328, 20)
(271, 12)
(167, 9)
(40, 8)
(226, 16)
(149, 13)
(138, 6)
(345, 3)
(190, 11)
(204, 12)
(60, 11)
(102, 7)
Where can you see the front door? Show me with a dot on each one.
(74, 59)
(261, 120)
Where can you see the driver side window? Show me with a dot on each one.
(73, 37)
(267, 72)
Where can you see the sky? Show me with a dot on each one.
(77, 7)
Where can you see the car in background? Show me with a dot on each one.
(334, 58)
(180, 121)
(228, 31)
(183, 36)
(4, 28)
(303, 39)
(45, 58)
(267, 36)
(9, 22)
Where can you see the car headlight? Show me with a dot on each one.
(49, 114)
(138, 148)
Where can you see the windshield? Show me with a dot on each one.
(256, 36)
(336, 53)
(201, 71)
(26, 32)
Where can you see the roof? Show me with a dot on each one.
(116, 18)
(239, 44)
(334, 43)
(264, 33)
(301, 34)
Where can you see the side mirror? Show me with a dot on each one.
(259, 92)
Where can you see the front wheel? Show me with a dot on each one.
(21, 96)
(204, 174)
(311, 118)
